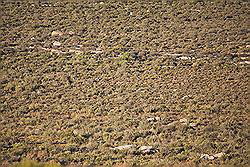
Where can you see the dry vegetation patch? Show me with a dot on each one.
(124, 83)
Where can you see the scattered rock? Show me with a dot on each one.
(153, 119)
(211, 157)
(207, 157)
(55, 51)
(184, 121)
(193, 124)
(96, 52)
(185, 97)
(75, 51)
(184, 58)
(36, 132)
(219, 155)
(244, 62)
(150, 119)
(147, 150)
(244, 58)
(122, 147)
(71, 33)
(56, 43)
(56, 33)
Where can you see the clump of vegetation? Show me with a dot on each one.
(31, 163)
(124, 58)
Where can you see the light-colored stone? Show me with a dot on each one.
(124, 147)
(185, 97)
(76, 132)
(207, 157)
(56, 33)
(219, 155)
(147, 149)
(157, 118)
(244, 62)
(193, 124)
(56, 43)
(71, 33)
(183, 120)
(204, 156)
(244, 58)
(211, 157)
(56, 51)
(154, 119)
(184, 58)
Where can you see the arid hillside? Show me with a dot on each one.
(125, 82)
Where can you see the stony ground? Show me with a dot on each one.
(135, 82)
